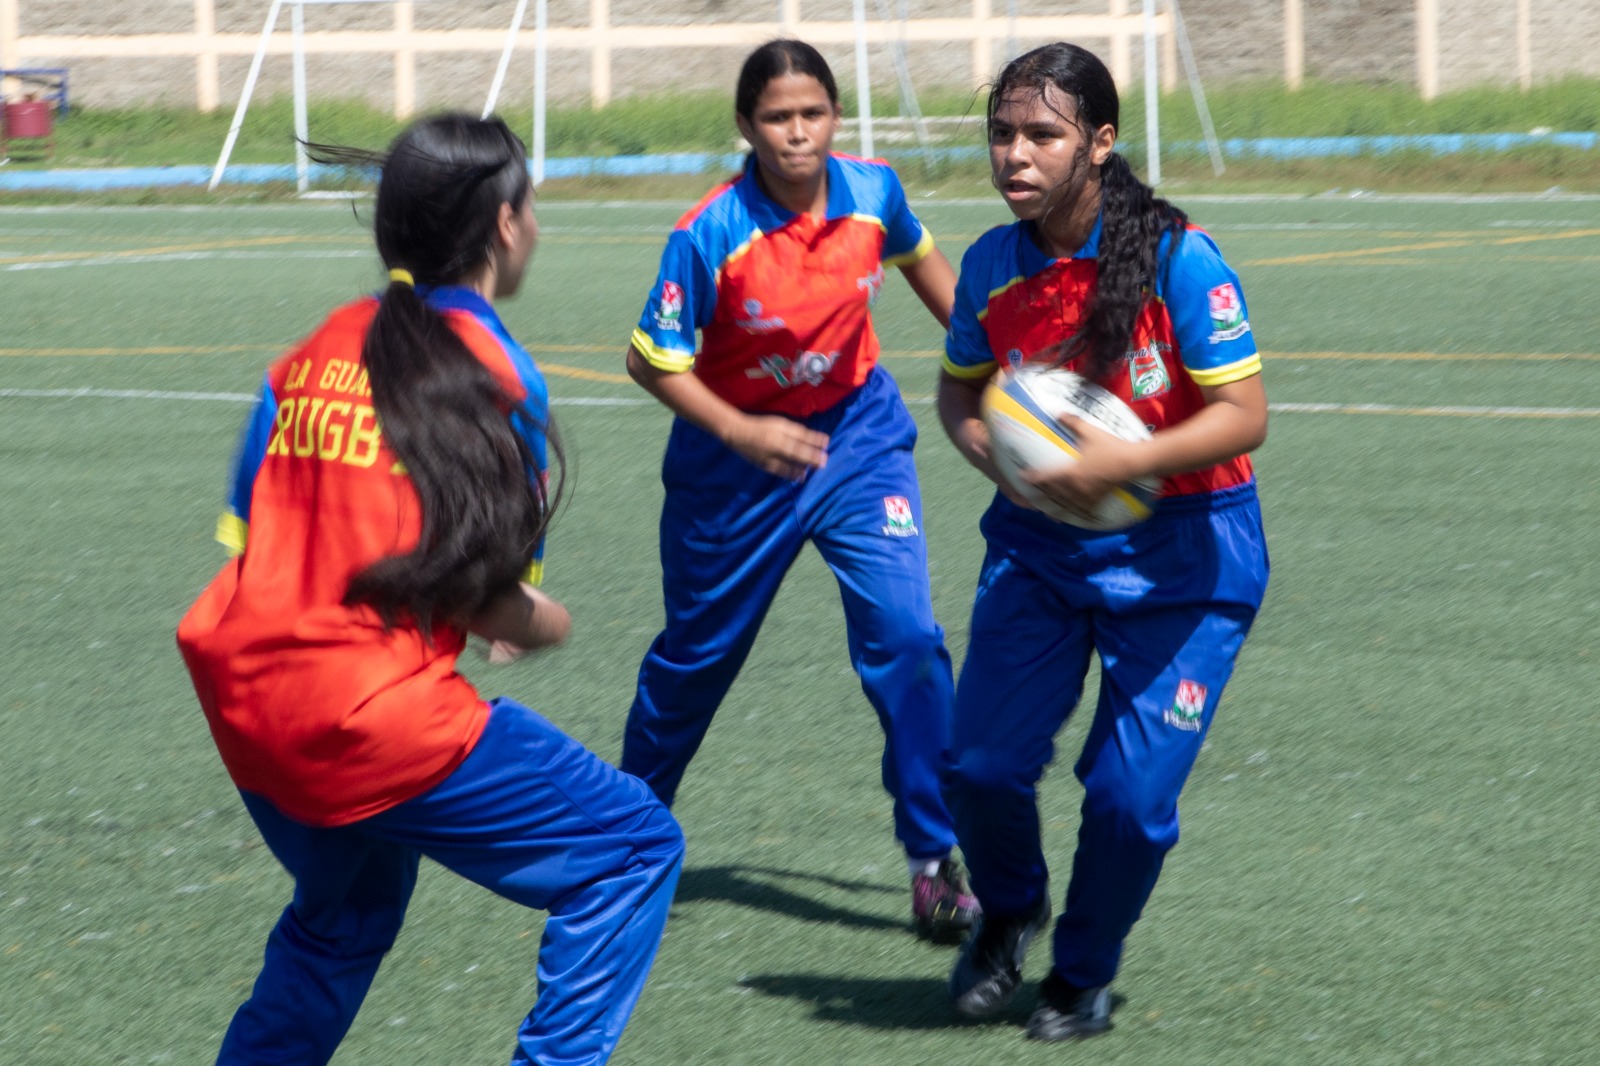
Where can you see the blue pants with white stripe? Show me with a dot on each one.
(530, 815)
(1166, 605)
(729, 533)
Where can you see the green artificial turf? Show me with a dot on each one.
(1388, 840)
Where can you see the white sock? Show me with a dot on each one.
(925, 867)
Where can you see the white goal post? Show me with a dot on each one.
(1152, 81)
(301, 131)
(861, 34)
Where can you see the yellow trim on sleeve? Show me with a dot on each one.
(1222, 375)
(232, 532)
(534, 574)
(916, 255)
(969, 373)
(660, 358)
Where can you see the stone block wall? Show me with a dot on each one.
(1365, 40)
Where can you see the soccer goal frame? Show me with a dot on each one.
(1152, 80)
(297, 31)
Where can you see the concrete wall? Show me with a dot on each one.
(1365, 40)
(1478, 41)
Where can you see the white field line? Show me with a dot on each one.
(178, 257)
(1353, 196)
(648, 234)
(1458, 411)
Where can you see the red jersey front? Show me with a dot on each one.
(1014, 304)
(315, 705)
(782, 301)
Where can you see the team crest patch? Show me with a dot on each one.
(897, 509)
(872, 284)
(670, 307)
(1187, 707)
(1147, 371)
(1014, 357)
(1227, 313)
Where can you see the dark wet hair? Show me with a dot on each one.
(1134, 219)
(773, 60)
(483, 496)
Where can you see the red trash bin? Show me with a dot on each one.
(31, 120)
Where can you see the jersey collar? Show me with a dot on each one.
(769, 215)
(1035, 260)
(460, 298)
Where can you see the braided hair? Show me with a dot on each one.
(1134, 219)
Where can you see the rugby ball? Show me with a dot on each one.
(1021, 409)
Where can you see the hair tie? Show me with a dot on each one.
(403, 277)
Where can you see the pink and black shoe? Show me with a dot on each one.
(942, 907)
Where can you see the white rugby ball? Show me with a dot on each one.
(1021, 409)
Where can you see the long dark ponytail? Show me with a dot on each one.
(1134, 219)
(484, 501)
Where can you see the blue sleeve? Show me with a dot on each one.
(966, 346)
(682, 300)
(1210, 320)
(531, 422)
(532, 418)
(905, 239)
(234, 525)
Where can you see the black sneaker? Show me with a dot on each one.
(1068, 1013)
(989, 970)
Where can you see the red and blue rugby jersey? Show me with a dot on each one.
(1014, 303)
(312, 703)
(782, 301)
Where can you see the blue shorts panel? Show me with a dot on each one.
(1207, 548)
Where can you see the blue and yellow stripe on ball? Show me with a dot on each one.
(1006, 395)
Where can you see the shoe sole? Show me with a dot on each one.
(939, 931)
(982, 1012)
(1077, 1033)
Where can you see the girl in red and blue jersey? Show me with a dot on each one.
(1099, 275)
(389, 499)
(787, 430)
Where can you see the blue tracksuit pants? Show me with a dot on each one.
(729, 533)
(532, 816)
(1166, 605)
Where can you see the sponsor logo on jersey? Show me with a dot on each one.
(1227, 313)
(755, 322)
(872, 283)
(806, 368)
(1187, 707)
(1147, 371)
(670, 307)
(897, 509)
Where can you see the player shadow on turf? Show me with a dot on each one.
(877, 1003)
(887, 1002)
(749, 887)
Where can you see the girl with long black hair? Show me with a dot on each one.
(1100, 275)
(390, 498)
